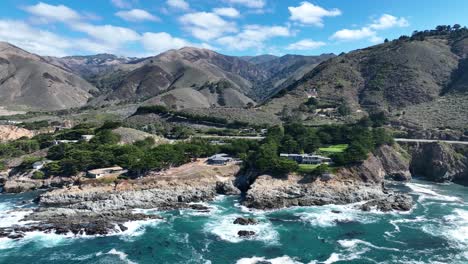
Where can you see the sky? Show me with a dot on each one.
(140, 28)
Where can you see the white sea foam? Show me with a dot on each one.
(224, 228)
(324, 216)
(458, 232)
(41, 239)
(351, 255)
(396, 224)
(138, 228)
(426, 192)
(122, 255)
(352, 243)
(279, 260)
(12, 217)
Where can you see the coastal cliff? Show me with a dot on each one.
(101, 207)
(440, 162)
(357, 183)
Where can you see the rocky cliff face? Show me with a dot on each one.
(8, 132)
(440, 162)
(96, 207)
(351, 184)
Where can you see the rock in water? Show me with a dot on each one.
(245, 221)
(244, 233)
(397, 202)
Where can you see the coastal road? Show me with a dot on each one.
(430, 141)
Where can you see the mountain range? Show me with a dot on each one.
(410, 77)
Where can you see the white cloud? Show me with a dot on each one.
(136, 15)
(354, 34)
(305, 44)
(369, 32)
(227, 12)
(53, 13)
(109, 34)
(249, 3)
(121, 3)
(178, 4)
(388, 21)
(309, 14)
(253, 36)
(162, 41)
(206, 26)
(32, 39)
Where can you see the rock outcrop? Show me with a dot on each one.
(439, 162)
(398, 202)
(395, 162)
(25, 184)
(9, 132)
(245, 221)
(361, 182)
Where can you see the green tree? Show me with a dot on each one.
(105, 137)
(38, 175)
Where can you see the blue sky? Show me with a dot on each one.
(233, 27)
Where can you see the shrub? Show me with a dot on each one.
(38, 175)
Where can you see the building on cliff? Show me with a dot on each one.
(307, 158)
(219, 159)
(105, 172)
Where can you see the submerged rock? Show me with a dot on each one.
(245, 221)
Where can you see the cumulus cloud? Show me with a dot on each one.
(206, 26)
(369, 32)
(388, 21)
(136, 15)
(109, 34)
(354, 34)
(178, 4)
(249, 3)
(227, 12)
(162, 41)
(52, 13)
(253, 36)
(33, 39)
(309, 14)
(305, 44)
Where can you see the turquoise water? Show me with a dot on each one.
(435, 231)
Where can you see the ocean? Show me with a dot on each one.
(434, 231)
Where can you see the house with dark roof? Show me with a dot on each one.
(219, 159)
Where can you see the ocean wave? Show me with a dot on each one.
(223, 227)
(14, 217)
(459, 230)
(331, 215)
(352, 243)
(136, 228)
(41, 239)
(120, 254)
(279, 260)
(426, 192)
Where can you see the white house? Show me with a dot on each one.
(103, 172)
(87, 137)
